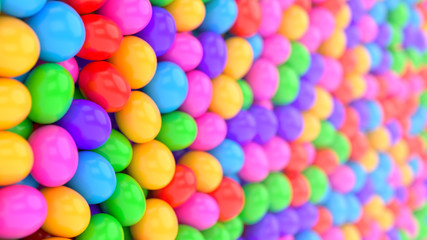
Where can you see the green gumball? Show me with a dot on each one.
(161, 3)
(319, 183)
(326, 135)
(188, 233)
(299, 60)
(234, 227)
(256, 203)
(341, 146)
(279, 191)
(102, 226)
(23, 129)
(216, 232)
(248, 96)
(178, 131)
(289, 85)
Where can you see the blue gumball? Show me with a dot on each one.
(230, 155)
(360, 175)
(60, 31)
(375, 54)
(29, 181)
(168, 88)
(257, 44)
(94, 179)
(21, 8)
(337, 205)
(220, 16)
(307, 235)
(354, 208)
(379, 12)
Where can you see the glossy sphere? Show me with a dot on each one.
(131, 16)
(139, 120)
(230, 198)
(186, 51)
(206, 167)
(271, 17)
(68, 214)
(263, 78)
(211, 131)
(214, 54)
(136, 61)
(188, 14)
(103, 38)
(62, 42)
(127, 204)
(255, 167)
(188, 233)
(24, 129)
(23, 210)
(256, 203)
(158, 223)
(230, 155)
(15, 103)
(239, 57)
(19, 47)
(180, 188)
(85, 6)
(248, 18)
(220, 16)
(102, 226)
(301, 189)
(227, 97)
(101, 83)
(72, 67)
(178, 130)
(22, 9)
(279, 191)
(55, 155)
(16, 158)
(278, 153)
(199, 94)
(294, 22)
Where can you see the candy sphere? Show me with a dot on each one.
(55, 155)
(217, 231)
(85, 6)
(279, 191)
(267, 228)
(102, 226)
(335, 45)
(290, 121)
(288, 221)
(271, 17)
(318, 182)
(230, 198)
(239, 57)
(220, 16)
(186, 232)
(230, 155)
(185, 51)
(256, 203)
(322, 107)
(20, 47)
(248, 18)
(188, 14)
(72, 67)
(300, 189)
(294, 22)
(199, 94)
(68, 214)
(214, 54)
(22, 9)
(278, 153)
(23, 129)
(227, 97)
(178, 130)
(311, 128)
(323, 20)
(255, 167)
(211, 131)
(263, 78)
(13, 110)
(289, 86)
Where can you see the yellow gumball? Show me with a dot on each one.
(374, 207)
(136, 61)
(386, 220)
(294, 22)
(343, 17)
(68, 213)
(407, 175)
(322, 107)
(369, 161)
(152, 165)
(188, 14)
(227, 97)
(350, 232)
(139, 119)
(206, 167)
(16, 158)
(357, 85)
(19, 47)
(158, 223)
(399, 151)
(362, 60)
(15, 102)
(311, 127)
(239, 57)
(379, 139)
(334, 46)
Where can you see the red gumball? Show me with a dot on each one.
(230, 198)
(248, 18)
(351, 122)
(359, 145)
(101, 83)
(298, 160)
(327, 160)
(324, 221)
(85, 6)
(300, 188)
(180, 189)
(103, 38)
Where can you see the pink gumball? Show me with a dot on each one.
(255, 168)
(332, 74)
(311, 152)
(289, 237)
(211, 131)
(278, 153)
(199, 94)
(263, 78)
(284, 4)
(311, 39)
(265, 103)
(131, 15)
(23, 211)
(416, 84)
(368, 4)
(372, 87)
(395, 177)
(55, 155)
(200, 211)
(324, 20)
(186, 51)
(368, 28)
(374, 232)
(276, 48)
(271, 17)
(72, 67)
(333, 233)
(342, 179)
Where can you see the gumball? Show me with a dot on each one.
(327, 160)
(334, 233)
(127, 204)
(343, 17)
(139, 120)
(152, 165)
(294, 22)
(342, 179)
(350, 232)
(234, 227)
(12, 110)
(206, 168)
(341, 146)
(300, 58)
(300, 189)
(180, 188)
(357, 85)
(288, 222)
(230, 198)
(363, 60)
(248, 18)
(266, 228)
(55, 155)
(186, 51)
(188, 14)
(70, 31)
(279, 191)
(337, 116)
(399, 15)
(178, 130)
(266, 123)
(102, 226)
(186, 232)
(230, 155)
(220, 16)
(332, 75)
(309, 214)
(23, 9)
(322, 107)
(290, 122)
(334, 46)
(307, 235)
(318, 182)
(257, 45)
(211, 131)
(379, 139)
(323, 20)
(20, 47)
(227, 98)
(271, 17)
(68, 214)
(337, 206)
(101, 83)
(288, 86)
(255, 167)
(278, 153)
(263, 78)
(239, 57)
(311, 128)
(276, 48)
(217, 231)
(256, 203)
(160, 31)
(311, 39)
(200, 211)
(52, 89)
(359, 145)
(71, 66)
(324, 222)
(351, 123)
(158, 222)
(326, 135)
(242, 127)
(135, 60)
(214, 54)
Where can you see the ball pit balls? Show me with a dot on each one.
(213, 119)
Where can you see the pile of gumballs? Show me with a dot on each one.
(213, 119)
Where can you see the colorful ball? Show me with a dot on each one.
(248, 18)
(102, 225)
(230, 155)
(263, 78)
(211, 131)
(178, 130)
(185, 51)
(255, 167)
(276, 48)
(294, 22)
(188, 14)
(239, 57)
(12, 110)
(230, 198)
(199, 94)
(256, 203)
(214, 54)
(227, 98)
(220, 16)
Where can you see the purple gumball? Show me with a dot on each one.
(352, 36)
(317, 66)
(288, 222)
(266, 123)
(214, 54)
(242, 127)
(309, 213)
(337, 116)
(266, 229)
(306, 97)
(290, 122)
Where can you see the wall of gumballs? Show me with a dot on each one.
(213, 119)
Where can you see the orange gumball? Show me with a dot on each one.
(300, 189)
(311, 127)
(248, 18)
(357, 85)
(399, 151)
(343, 17)
(323, 106)
(298, 159)
(188, 14)
(369, 160)
(227, 99)
(239, 57)
(15, 103)
(350, 232)
(327, 160)
(334, 46)
(363, 60)
(359, 145)
(294, 22)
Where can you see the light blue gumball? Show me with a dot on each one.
(230, 155)
(375, 115)
(307, 235)
(359, 173)
(392, 4)
(379, 12)
(414, 164)
(168, 88)
(354, 209)
(385, 163)
(21, 8)
(337, 205)
(29, 181)
(375, 53)
(257, 44)
(386, 193)
(235, 177)
(418, 121)
(415, 18)
(220, 16)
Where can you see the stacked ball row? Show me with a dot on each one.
(213, 119)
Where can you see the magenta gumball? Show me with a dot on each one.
(72, 67)
(211, 131)
(368, 28)
(332, 74)
(200, 211)
(263, 78)
(265, 103)
(23, 211)
(276, 48)
(199, 94)
(271, 17)
(311, 152)
(324, 20)
(255, 168)
(342, 179)
(334, 233)
(311, 39)
(278, 153)
(372, 87)
(186, 51)
(284, 4)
